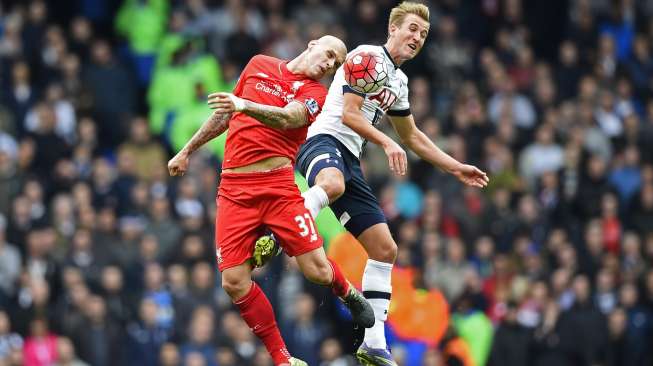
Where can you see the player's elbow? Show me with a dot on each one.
(411, 140)
(406, 141)
(290, 123)
(285, 123)
(293, 118)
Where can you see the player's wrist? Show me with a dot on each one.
(239, 104)
(184, 153)
(387, 142)
(454, 167)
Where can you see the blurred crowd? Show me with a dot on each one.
(106, 260)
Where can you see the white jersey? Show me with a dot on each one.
(392, 99)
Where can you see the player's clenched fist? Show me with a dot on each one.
(225, 103)
(178, 164)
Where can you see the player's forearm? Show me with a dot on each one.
(291, 116)
(213, 127)
(421, 145)
(356, 120)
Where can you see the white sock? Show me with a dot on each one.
(377, 288)
(315, 199)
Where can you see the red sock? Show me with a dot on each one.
(339, 284)
(256, 310)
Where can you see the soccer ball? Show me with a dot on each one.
(366, 71)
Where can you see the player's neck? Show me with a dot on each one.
(394, 53)
(297, 64)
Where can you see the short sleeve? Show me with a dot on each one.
(348, 89)
(401, 108)
(312, 96)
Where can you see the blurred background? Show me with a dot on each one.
(106, 260)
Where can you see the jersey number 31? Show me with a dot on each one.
(305, 231)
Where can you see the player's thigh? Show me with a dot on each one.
(236, 229)
(292, 223)
(237, 280)
(318, 155)
(358, 209)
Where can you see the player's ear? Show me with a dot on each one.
(312, 43)
(392, 28)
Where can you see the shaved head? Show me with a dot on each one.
(322, 57)
(337, 45)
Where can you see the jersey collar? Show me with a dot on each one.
(390, 57)
(285, 73)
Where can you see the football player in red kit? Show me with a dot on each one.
(257, 188)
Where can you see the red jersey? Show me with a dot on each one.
(266, 80)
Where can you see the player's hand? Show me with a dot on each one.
(225, 103)
(178, 165)
(396, 157)
(471, 175)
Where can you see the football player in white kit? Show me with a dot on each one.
(329, 160)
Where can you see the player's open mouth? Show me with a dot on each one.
(412, 47)
(322, 69)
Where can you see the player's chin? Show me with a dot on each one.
(411, 54)
(317, 75)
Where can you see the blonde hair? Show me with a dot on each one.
(399, 12)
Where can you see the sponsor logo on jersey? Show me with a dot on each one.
(275, 90)
(385, 98)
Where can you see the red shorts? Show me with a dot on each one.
(248, 203)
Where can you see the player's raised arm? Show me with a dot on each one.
(353, 117)
(293, 115)
(418, 142)
(213, 127)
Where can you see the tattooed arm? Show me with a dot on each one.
(213, 127)
(291, 116)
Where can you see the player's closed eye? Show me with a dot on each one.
(332, 56)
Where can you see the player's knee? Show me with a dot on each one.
(235, 286)
(389, 251)
(334, 187)
(332, 181)
(385, 251)
(337, 189)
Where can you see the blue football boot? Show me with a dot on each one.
(369, 356)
